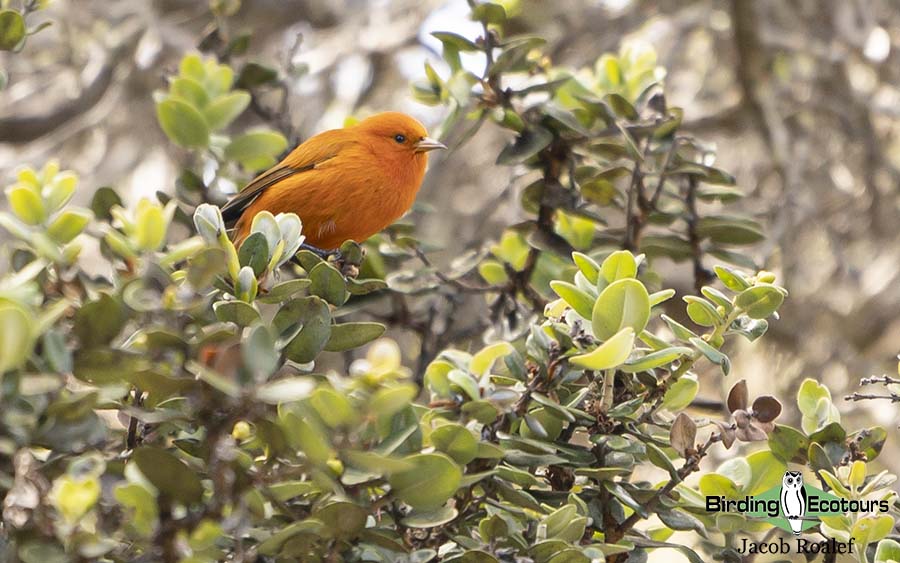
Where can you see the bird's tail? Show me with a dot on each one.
(796, 525)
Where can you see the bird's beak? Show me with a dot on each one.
(428, 144)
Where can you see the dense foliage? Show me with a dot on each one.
(167, 406)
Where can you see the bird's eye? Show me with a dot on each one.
(400, 138)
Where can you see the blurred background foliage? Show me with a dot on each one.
(794, 101)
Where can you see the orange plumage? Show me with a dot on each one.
(344, 183)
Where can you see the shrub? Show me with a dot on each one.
(171, 408)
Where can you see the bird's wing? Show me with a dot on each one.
(307, 156)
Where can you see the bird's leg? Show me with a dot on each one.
(321, 252)
(347, 259)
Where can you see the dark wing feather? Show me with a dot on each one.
(313, 152)
(232, 210)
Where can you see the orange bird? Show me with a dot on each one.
(344, 183)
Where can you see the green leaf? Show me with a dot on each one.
(219, 78)
(733, 280)
(578, 300)
(256, 150)
(624, 303)
(191, 65)
(527, 144)
(588, 266)
(705, 173)
(343, 520)
(69, 224)
(622, 494)
(142, 505)
(655, 359)
(74, 497)
(224, 109)
(60, 190)
(103, 366)
(661, 296)
(669, 246)
(680, 331)
(149, 226)
(307, 436)
(430, 519)
(104, 199)
(333, 407)
(55, 352)
(347, 336)
(466, 382)
(702, 311)
(610, 354)
(730, 230)
(189, 90)
(540, 424)
(456, 441)
(273, 544)
(682, 521)
(254, 252)
(660, 459)
(714, 484)
(314, 316)
(789, 444)
(168, 474)
(328, 283)
(621, 106)
(374, 463)
(712, 354)
(99, 321)
(237, 312)
(283, 291)
(810, 393)
(455, 41)
(182, 123)
(388, 401)
(716, 297)
(286, 490)
(430, 481)
(12, 29)
(489, 13)
(888, 551)
(871, 441)
(553, 407)
(766, 470)
(618, 266)
(681, 393)
(565, 524)
(365, 286)
(16, 335)
(27, 204)
(751, 329)
(760, 301)
(818, 458)
(254, 74)
(483, 360)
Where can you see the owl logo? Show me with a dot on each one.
(793, 500)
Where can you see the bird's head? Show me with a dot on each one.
(399, 135)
